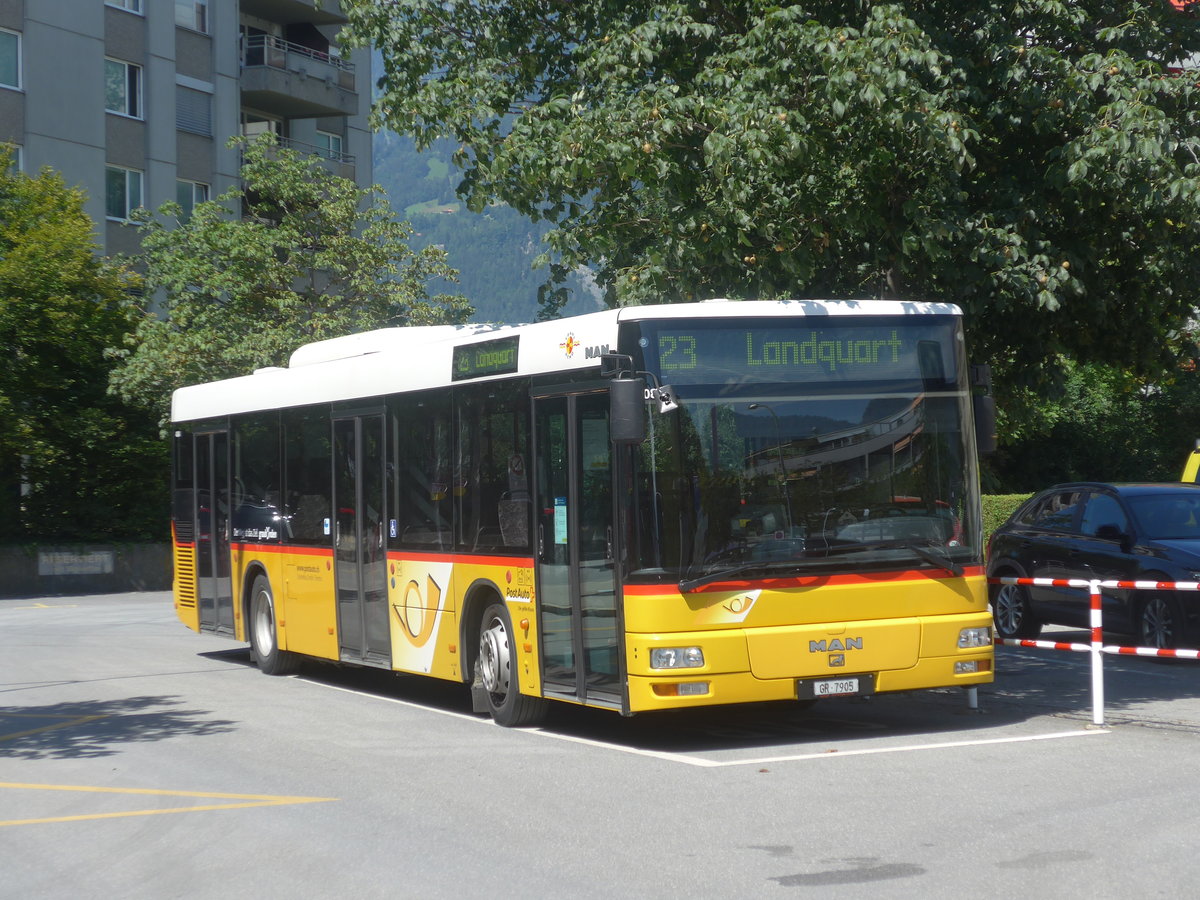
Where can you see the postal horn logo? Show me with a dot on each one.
(570, 345)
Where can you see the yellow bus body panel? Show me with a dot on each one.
(426, 595)
(758, 643)
(307, 601)
(901, 629)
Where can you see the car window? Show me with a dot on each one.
(1168, 516)
(1103, 511)
(1057, 511)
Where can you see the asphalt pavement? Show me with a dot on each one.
(139, 760)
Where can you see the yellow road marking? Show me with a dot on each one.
(48, 606)
(251, 801)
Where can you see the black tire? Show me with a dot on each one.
(1160, 622)
(494, 668)
(264, 635)
(1011, 612)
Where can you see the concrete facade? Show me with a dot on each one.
(190, 75)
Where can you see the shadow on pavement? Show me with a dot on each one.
(97, 729)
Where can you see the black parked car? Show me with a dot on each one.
(1126, 532)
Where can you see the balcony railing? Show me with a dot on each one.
(276, 53)
(336, 156)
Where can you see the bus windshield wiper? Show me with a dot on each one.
(924, 551)
(766, 566)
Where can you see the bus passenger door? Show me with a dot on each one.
(576, 587)
(214, 588)
(360, 558)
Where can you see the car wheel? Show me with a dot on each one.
(1160, 623)
(1011, 613)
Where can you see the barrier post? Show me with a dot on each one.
(1097, 654)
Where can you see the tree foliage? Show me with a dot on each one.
(75, 463)
(1032, 160)
(1097, 423)
(295, 254)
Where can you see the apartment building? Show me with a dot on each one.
(134, 100)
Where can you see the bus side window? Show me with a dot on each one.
(420, 502)
(493, 509)
(308, 486)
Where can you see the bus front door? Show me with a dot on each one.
(576, 588)
(359, 547)
(214, 587)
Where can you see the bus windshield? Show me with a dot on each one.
(805, 449)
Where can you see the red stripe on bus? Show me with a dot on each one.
(280, 549)
(466, 558)
(470, 558)
(742, 584)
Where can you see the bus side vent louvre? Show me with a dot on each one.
(185, 576)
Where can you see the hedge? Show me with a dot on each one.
(997, 508)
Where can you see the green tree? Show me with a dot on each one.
(295, 254)
(1097, 423)
(75, 463)
(1032, 160)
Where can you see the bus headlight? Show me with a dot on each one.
(676, 658)
(974, 637)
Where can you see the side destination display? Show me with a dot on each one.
(498, 357)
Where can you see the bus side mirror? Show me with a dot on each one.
(985, 424)
(627, 410)
(983, 408)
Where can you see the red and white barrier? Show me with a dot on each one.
(1097, 647)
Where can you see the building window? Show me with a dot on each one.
(188, 194)
(123, 88)
(134, 6)
(122, 192)
(192, 14)
(10, 59)
(330, 144)
(193, 111)
(14, 158)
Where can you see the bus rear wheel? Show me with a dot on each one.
(494, 668)
(264, 636)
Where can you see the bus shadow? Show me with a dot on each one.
(1030, 684)
(237, 655)
(714, 728)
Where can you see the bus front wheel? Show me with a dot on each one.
(494, 668)
(264, 636)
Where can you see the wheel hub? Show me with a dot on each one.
(1008, 608)
(494, 658)
(1157, 624)
(264, 627)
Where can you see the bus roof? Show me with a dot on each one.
(394, 360)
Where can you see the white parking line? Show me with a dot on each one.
(700, 762)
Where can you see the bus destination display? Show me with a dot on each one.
(498, 357)
(800, 354)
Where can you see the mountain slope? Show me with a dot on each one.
(493, 251)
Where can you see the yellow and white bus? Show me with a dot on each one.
(638, 509)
